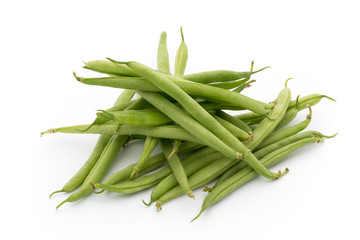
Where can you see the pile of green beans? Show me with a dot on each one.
(184, 116)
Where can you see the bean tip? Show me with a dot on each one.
(158, 206)
(147, 204)
(309, 116)
(80, 79)
(197, 216)
(59, 191)
(118, 62)
(53, 130)
(57, 207)
(332, 99)
(190, 194)
(280, 174)
(287, 82)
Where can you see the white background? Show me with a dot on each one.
(42, 42)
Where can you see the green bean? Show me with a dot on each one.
(283, 133)
(138, 117)
(246, 174)
(311, 100)
(243, 86)
(194, 89)
(266, 150)
(237, 132)
(288, 140)
(199, 178)
(148, 180)
(149, 147)
(209, 92)
(230, 172)
(229, 85)
(165, 131)
(219, 76)
(100, 119)
(298, 105)
(204, 157)
(136, 104)
(180, 65)
(137, 184)
(175, 149)
(99, 170)
(193, 108)
(103, 140)
(246, 84)
(176, 167)
(110, 68)
(152, 163)
(187, 122)
(84, 171)
(209, 173)
(288, 117)
(301, 103)
(192, 126)
(124, 97)
(181, 57)
(163, 55)
(267, 126)
(237, 122)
